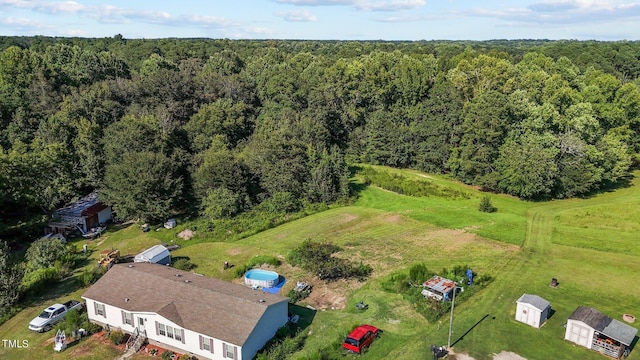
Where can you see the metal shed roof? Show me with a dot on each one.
(535, 301)
(605, 325)
(439, 284)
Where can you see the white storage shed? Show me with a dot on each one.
(156, 255)
(532, 310)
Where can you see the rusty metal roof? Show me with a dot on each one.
(439, 284)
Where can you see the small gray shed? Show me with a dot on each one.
(157, 254)
(532, 310)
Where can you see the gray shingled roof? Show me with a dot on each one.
(209, 306)
(534, 300)
(605, 325)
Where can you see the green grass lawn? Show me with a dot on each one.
(590, 245)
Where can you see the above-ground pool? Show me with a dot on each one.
(262, 278)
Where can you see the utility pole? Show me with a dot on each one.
(453, 303)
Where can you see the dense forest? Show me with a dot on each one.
(219, 127)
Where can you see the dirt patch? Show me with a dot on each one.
(234, 251)
(455, 356)
(347, 218)
(507, 355)
(186, 234)
(391, 218)
(330, 296)
(503, 355)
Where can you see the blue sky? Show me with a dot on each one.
(327, 19)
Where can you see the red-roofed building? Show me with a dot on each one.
(83, 215)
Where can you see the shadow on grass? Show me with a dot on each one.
(306, 315)
(632, 346)
(551, 313)
(468, 331)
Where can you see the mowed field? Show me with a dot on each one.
(590, 245)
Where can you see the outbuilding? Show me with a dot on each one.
(532, 310)
(592, 329)
(157, 254)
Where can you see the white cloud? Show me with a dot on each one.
(392, 5)
(298, 16)
(317, 2)
(563, 12)
(115, 15)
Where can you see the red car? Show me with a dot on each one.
(360, 338)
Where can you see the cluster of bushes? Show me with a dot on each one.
(91, 275)
(402, 185)
(117, 337)
(255, 261)
(317, 258)
(410, 286)
(295, 296)
(47, 261)
(258, 219)
(183, 263)
(78, 319)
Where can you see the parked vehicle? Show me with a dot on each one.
(52, 315)
(361, 338)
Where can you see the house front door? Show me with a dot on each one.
(141, 325)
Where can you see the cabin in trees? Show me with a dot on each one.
(532, 310)
(82, 215)
(186, 312)
(590, 328)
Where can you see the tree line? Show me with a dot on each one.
(219, 127)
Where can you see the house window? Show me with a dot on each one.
(229, 351)
(170, 332)
(99, 309)
(206, 344)
(128, 318)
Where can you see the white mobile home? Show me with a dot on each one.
(532, 310)
(157, 254)
(185, 312)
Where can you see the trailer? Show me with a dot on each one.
(156, 255)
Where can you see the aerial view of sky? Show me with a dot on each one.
(326, 19)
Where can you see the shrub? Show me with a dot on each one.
(166, 355)
(317, 258)
(89, 276)
(184, 264)
(72, 321)
(36, 280)
(485, 205)
(263, 259)
(185, 357)
(116, 337)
